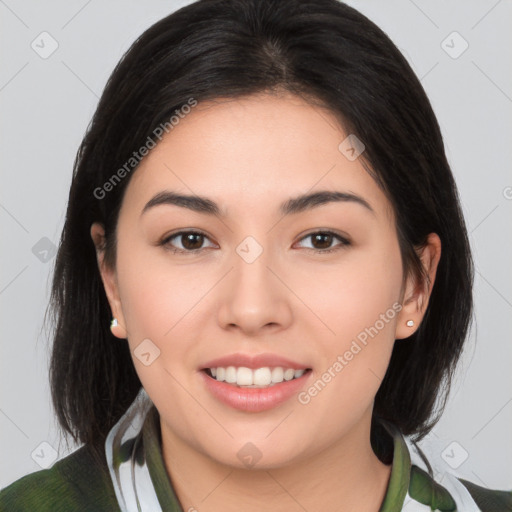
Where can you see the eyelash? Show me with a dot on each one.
(344, 242)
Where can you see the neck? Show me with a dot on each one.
(345, 476)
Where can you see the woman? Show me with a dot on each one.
(264, 279)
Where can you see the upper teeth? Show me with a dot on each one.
(243, 376)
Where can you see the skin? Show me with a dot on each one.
(249, 155)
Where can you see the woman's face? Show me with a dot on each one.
(257, 288)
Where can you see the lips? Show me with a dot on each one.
(254, 398)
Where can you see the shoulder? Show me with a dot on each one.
(489, 500)
(443, 490)
(77, 482)
(455, 493)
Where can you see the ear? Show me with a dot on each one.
(109, 279)
(417, 294)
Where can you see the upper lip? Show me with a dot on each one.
(254, 361)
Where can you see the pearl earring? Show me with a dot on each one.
(410, 323)
(117, 329)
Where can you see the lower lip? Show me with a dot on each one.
(254, 399)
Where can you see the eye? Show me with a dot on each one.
(188, 241)
(192, 241)
(322, 241)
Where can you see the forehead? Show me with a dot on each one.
(252, 152)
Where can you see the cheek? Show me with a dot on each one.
(360, 304)
(351, 295)
(159, 299)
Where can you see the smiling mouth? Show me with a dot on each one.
(264, 377)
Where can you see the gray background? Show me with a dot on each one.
(47, 103)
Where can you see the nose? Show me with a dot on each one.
(254, 296)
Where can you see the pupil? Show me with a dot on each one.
(190, 238)
(325, 237)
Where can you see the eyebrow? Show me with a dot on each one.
(293, 205)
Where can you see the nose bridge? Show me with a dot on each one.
(251, 261)
(255, 297)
